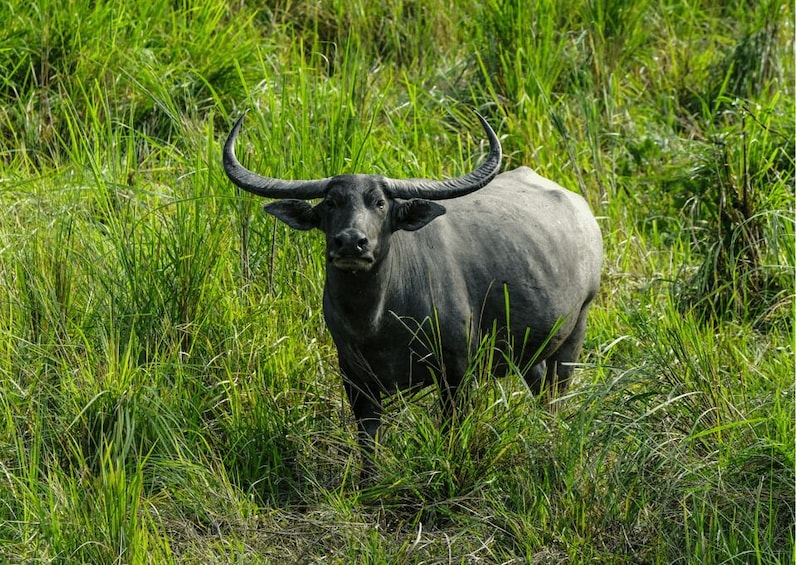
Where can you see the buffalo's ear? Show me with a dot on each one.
(295, 213)
(411, 215)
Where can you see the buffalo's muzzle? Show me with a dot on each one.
(350, 250)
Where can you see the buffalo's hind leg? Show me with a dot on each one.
(560, 365)
(535, 377)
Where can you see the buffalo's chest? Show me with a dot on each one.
(399, 356)
(401, 368)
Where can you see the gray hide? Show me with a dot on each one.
(412, 286)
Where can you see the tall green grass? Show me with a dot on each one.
(169, 393)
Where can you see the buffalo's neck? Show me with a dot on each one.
(365, 304)
(354, 302)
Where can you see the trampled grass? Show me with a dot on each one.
(169, 393)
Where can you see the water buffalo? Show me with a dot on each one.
(412, 286)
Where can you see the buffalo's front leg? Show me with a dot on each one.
(451, 406)
(454, 397)
(366, 405)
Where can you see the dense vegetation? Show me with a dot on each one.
(168, 391)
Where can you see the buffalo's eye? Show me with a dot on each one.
(380, 204)
(331, 204)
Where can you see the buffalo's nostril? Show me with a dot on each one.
(350, 242)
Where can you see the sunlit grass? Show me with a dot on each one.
(169, 393)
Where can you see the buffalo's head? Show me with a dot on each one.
(358, 213)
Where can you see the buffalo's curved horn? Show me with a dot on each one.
(398, 188)
(451, 188)
(266, 186)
